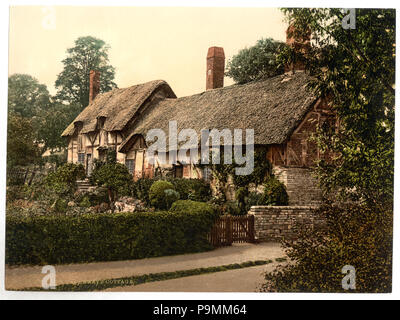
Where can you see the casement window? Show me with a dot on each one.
(178, 171)
(81, 158)
(130, 164)
(80, 143)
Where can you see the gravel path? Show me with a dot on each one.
(23, 277)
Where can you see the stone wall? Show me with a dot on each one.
(273, 223)
(301, 185)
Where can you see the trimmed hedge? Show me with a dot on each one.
(105, 237)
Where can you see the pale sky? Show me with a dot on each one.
(146, 43)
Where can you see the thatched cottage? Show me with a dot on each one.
(281, 111)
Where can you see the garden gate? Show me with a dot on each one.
(229, 229)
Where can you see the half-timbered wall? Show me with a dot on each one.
(93, 145)
(300, 150)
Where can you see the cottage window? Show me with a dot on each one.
(80, 143)
(178, 171)
(81, 158)
(130, 164)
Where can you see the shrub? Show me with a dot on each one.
(16, 192)
(157, 194)
(241, 197)
(113, 176)
(107, 237)
(232, 208)
(188, 189)
(192, 189)
(141, 189)
(356, 235)
(274, 193)
(254, 199)
(60, 205)
(85, 202)
(96, 197)
(63, 180)
(170, 197)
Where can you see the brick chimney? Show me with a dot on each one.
(215, 68)
(94, 84)
(299, 43)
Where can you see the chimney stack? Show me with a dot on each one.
(298, 43)
(94, 85)
(215, 68)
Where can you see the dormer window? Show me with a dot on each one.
(100, 122)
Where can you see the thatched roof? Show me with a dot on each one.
(117, 106)
(273, 108)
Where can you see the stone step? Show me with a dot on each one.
(85, 186)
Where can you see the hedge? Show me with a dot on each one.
(188, 189)
(104, 237)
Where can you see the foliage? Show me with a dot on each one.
(232, 208)
(355, 235)
(26, 96)
(141, 189)
(200, 209)
(188, 189)
(170, 197)
(31, 100)
(98, 196)
(355, 70)
(22, 148)
(60, 205)
(115, 177)
(262, 170)
(241, 196)
(256, 63)
(16, 192)
(58, 159)
(192, 189)
(88, 54)
(157, 194)
(51, 122)
(254, 199)
(85, 202)
(107, 237)
(274, 193)
(63, 180)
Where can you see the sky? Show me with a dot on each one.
(146, 43)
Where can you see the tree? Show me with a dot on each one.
(114, 176)
(47, 119)
(72, 83)
(26, 96)
(52, 122)
(22, 148)
(354, 70)
(257, 62)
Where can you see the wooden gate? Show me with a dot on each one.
(229, 229)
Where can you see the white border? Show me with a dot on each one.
(4, 19)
